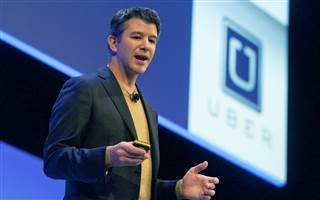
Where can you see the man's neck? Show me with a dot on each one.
(125, 79)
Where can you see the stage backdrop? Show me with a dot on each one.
(219, 77)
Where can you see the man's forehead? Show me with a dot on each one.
(139, 26)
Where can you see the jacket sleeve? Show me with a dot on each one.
(166, 189)
(64, 157)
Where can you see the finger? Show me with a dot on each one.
(208, 192)
(199, 167)
(135, 156)
(131, 149)
(130, 162)
(206, 197)
(206, 179)
(124, 153)
(147, 155)
(209, 179)
(210, 186)
(121, 153)
(214, 180)
(140, 156)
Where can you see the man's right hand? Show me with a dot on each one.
(126, 154)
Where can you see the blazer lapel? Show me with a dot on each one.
(152, 123)
(153, 129)
(114, 91)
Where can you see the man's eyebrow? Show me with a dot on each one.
(136, 32)
(140, 33)
(155, 37)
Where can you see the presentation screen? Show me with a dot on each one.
(239, 85)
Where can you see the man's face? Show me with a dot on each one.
(136, 46)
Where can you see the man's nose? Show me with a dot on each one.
(146, 45)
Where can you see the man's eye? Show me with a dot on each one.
(136, 37)
(152, 41)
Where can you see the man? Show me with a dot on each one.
(96, 117)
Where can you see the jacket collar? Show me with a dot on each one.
(112, 87)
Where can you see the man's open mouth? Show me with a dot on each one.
(141, 57)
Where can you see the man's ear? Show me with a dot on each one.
(112, 43)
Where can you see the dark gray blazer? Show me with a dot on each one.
(90, 114)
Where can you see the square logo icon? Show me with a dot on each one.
(242, 78)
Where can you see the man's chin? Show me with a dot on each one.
(141, 69)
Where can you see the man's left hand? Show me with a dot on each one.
(196, 186)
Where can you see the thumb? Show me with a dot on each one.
(198, 168)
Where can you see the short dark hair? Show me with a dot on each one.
(118, 21)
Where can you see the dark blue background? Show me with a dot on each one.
(75, 32)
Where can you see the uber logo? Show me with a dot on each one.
(242, 65)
